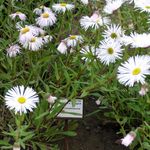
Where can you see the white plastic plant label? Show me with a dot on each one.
(72, 110)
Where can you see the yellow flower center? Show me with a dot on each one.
(18, 12)
(33, 39)
(72, 37)
(110, 50)
(63, 4)
(25, 30)
(113, 35)
(97, 20)
(41, 7)
(45, 15)
(136, 71)
(147, 7)
(21, 100)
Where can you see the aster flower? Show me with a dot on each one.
(113, 32)
(47, 39)
(13, 50)
(16, 147)
(62, 47)
(95, 21)
(27, 32)
(62, 7)
(143, 5)
(109, 51)
(144, 89)
(51, 99)
(21, 99)
(73, 40)
(87, 51)
(98, 102)
(128, 139)
(113, 5)
(18, 14)
(85, 1)
(34, 44)
(47, 18)
(39, 10)
(134, 70)
(137, 40)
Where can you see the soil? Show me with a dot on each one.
(95, 134)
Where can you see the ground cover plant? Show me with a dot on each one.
(55, 50)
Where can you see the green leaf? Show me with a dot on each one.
(146, 145)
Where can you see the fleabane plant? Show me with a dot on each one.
(21, 100)
(70, 50)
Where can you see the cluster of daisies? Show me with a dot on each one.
(110, 49)
(34, 37)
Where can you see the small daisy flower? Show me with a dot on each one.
(109, 51)
(134, 70)
(113, 32)
(85, 1)
(13, 50)
(113, 5)
(87, 51)
(144, 89)
(143, 5)
(62, 7)
(47, 39)
(27, 32)
(16, 147)
(95, 21)
(46, 19)
(128, 139)
(98, 102)
(73, 40)
(39, 10)
(21, 99)
(62, 47)
(137, 40)
(18, 14)
(34, 44)
(51, 99)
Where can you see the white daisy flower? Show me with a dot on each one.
(143, 5)
(134, 70)
(128, 139)
(34, 44)
(27, 32)
(21, 99)
(113, 32)
(39, 10)
(109, 51)
(113, 5)
(62, 47)
(87, 51)
(73, 40)
(18, 14)
(46, 19)
(95, 21)
(85, 1)
(144, 89)
(62, 7)
(137, 40)
(51, 99)
(16, 147)
(13, 50)
(47, 39)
